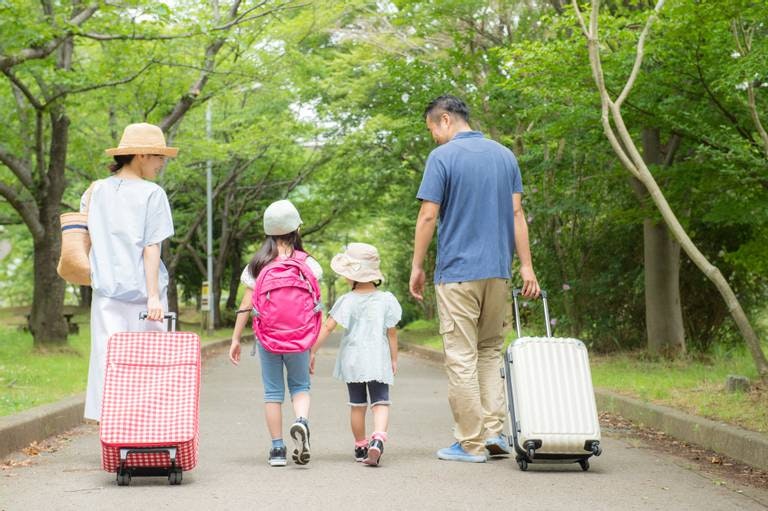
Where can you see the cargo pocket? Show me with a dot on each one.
(446, 326)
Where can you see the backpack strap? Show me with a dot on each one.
(300, 256)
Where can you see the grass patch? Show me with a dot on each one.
(30, 378)
(423, 333)
(693, 386)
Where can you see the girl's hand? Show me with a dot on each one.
(154, 309)
(234, 352)
(394, 366)
(311, 363)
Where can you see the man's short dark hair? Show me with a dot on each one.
(447, 103)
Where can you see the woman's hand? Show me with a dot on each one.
(154, 308)
(234, 352)
(394, 366)
(312, 363)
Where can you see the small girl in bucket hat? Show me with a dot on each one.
(367, 358)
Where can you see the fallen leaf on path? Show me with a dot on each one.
(32, 449)
(9, 464)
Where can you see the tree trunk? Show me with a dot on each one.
(236, 268)
(86, 293)
(663, 312)
(661, 257)
(47, 321)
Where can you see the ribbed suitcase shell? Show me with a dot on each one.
(151, 398)
(554, 401)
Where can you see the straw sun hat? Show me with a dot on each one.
(358, 262)
(142, 138)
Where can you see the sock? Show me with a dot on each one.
(379, 435)
(278, 442)
(361, 443)
(303, 420)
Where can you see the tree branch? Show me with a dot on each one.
(756, 118)
(26, 210)
(8, 61)
(88, 88)
(23, 88)
(135, 37)
(18, 167)
(639, 57)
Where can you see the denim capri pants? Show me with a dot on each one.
(377, 391)
(297, 367)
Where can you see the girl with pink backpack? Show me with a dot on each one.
(283, 296)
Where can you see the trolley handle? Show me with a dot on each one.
(518, 326)
(169, 316)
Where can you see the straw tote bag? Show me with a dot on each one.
(74, 265)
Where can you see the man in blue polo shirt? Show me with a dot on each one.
(473, 186)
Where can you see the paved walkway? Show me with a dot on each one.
(233, 473)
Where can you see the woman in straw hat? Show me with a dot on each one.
(128, 218)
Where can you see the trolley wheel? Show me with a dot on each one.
(596, 449)
(123, 478)
(174, 476)
(584, 465)
(531, 453)
(523, 464)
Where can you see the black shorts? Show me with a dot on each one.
(377, 391)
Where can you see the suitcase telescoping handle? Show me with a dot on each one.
(518, 326)
(170, 316)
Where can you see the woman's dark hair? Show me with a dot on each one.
(268, 251)
(121, 160)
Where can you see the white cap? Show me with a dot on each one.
(280, 218)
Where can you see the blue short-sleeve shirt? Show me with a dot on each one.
(472, 178)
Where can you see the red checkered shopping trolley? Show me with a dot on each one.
(150, 413)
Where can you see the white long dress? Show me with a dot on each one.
(124, 217)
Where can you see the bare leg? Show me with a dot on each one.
(274, 415)
(301, 404)
(357, 421)
(380, 418)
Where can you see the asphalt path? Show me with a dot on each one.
(233, 473)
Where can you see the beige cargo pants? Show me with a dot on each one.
(471, 322)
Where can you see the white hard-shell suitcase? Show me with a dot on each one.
(552, 415)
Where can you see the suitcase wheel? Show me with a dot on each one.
(123, 478)
(584, 464)
(523, 464)
(174, 476)
(596, 449)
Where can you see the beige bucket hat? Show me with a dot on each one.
(359, 262)
(142, 138)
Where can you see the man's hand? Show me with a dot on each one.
(416, 284)
(531, 287)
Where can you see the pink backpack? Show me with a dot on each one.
(287, 311)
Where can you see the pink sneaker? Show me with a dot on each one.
(375, 450)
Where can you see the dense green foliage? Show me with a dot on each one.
(322, 102)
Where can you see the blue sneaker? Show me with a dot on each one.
(457, 453)
(497, 446)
